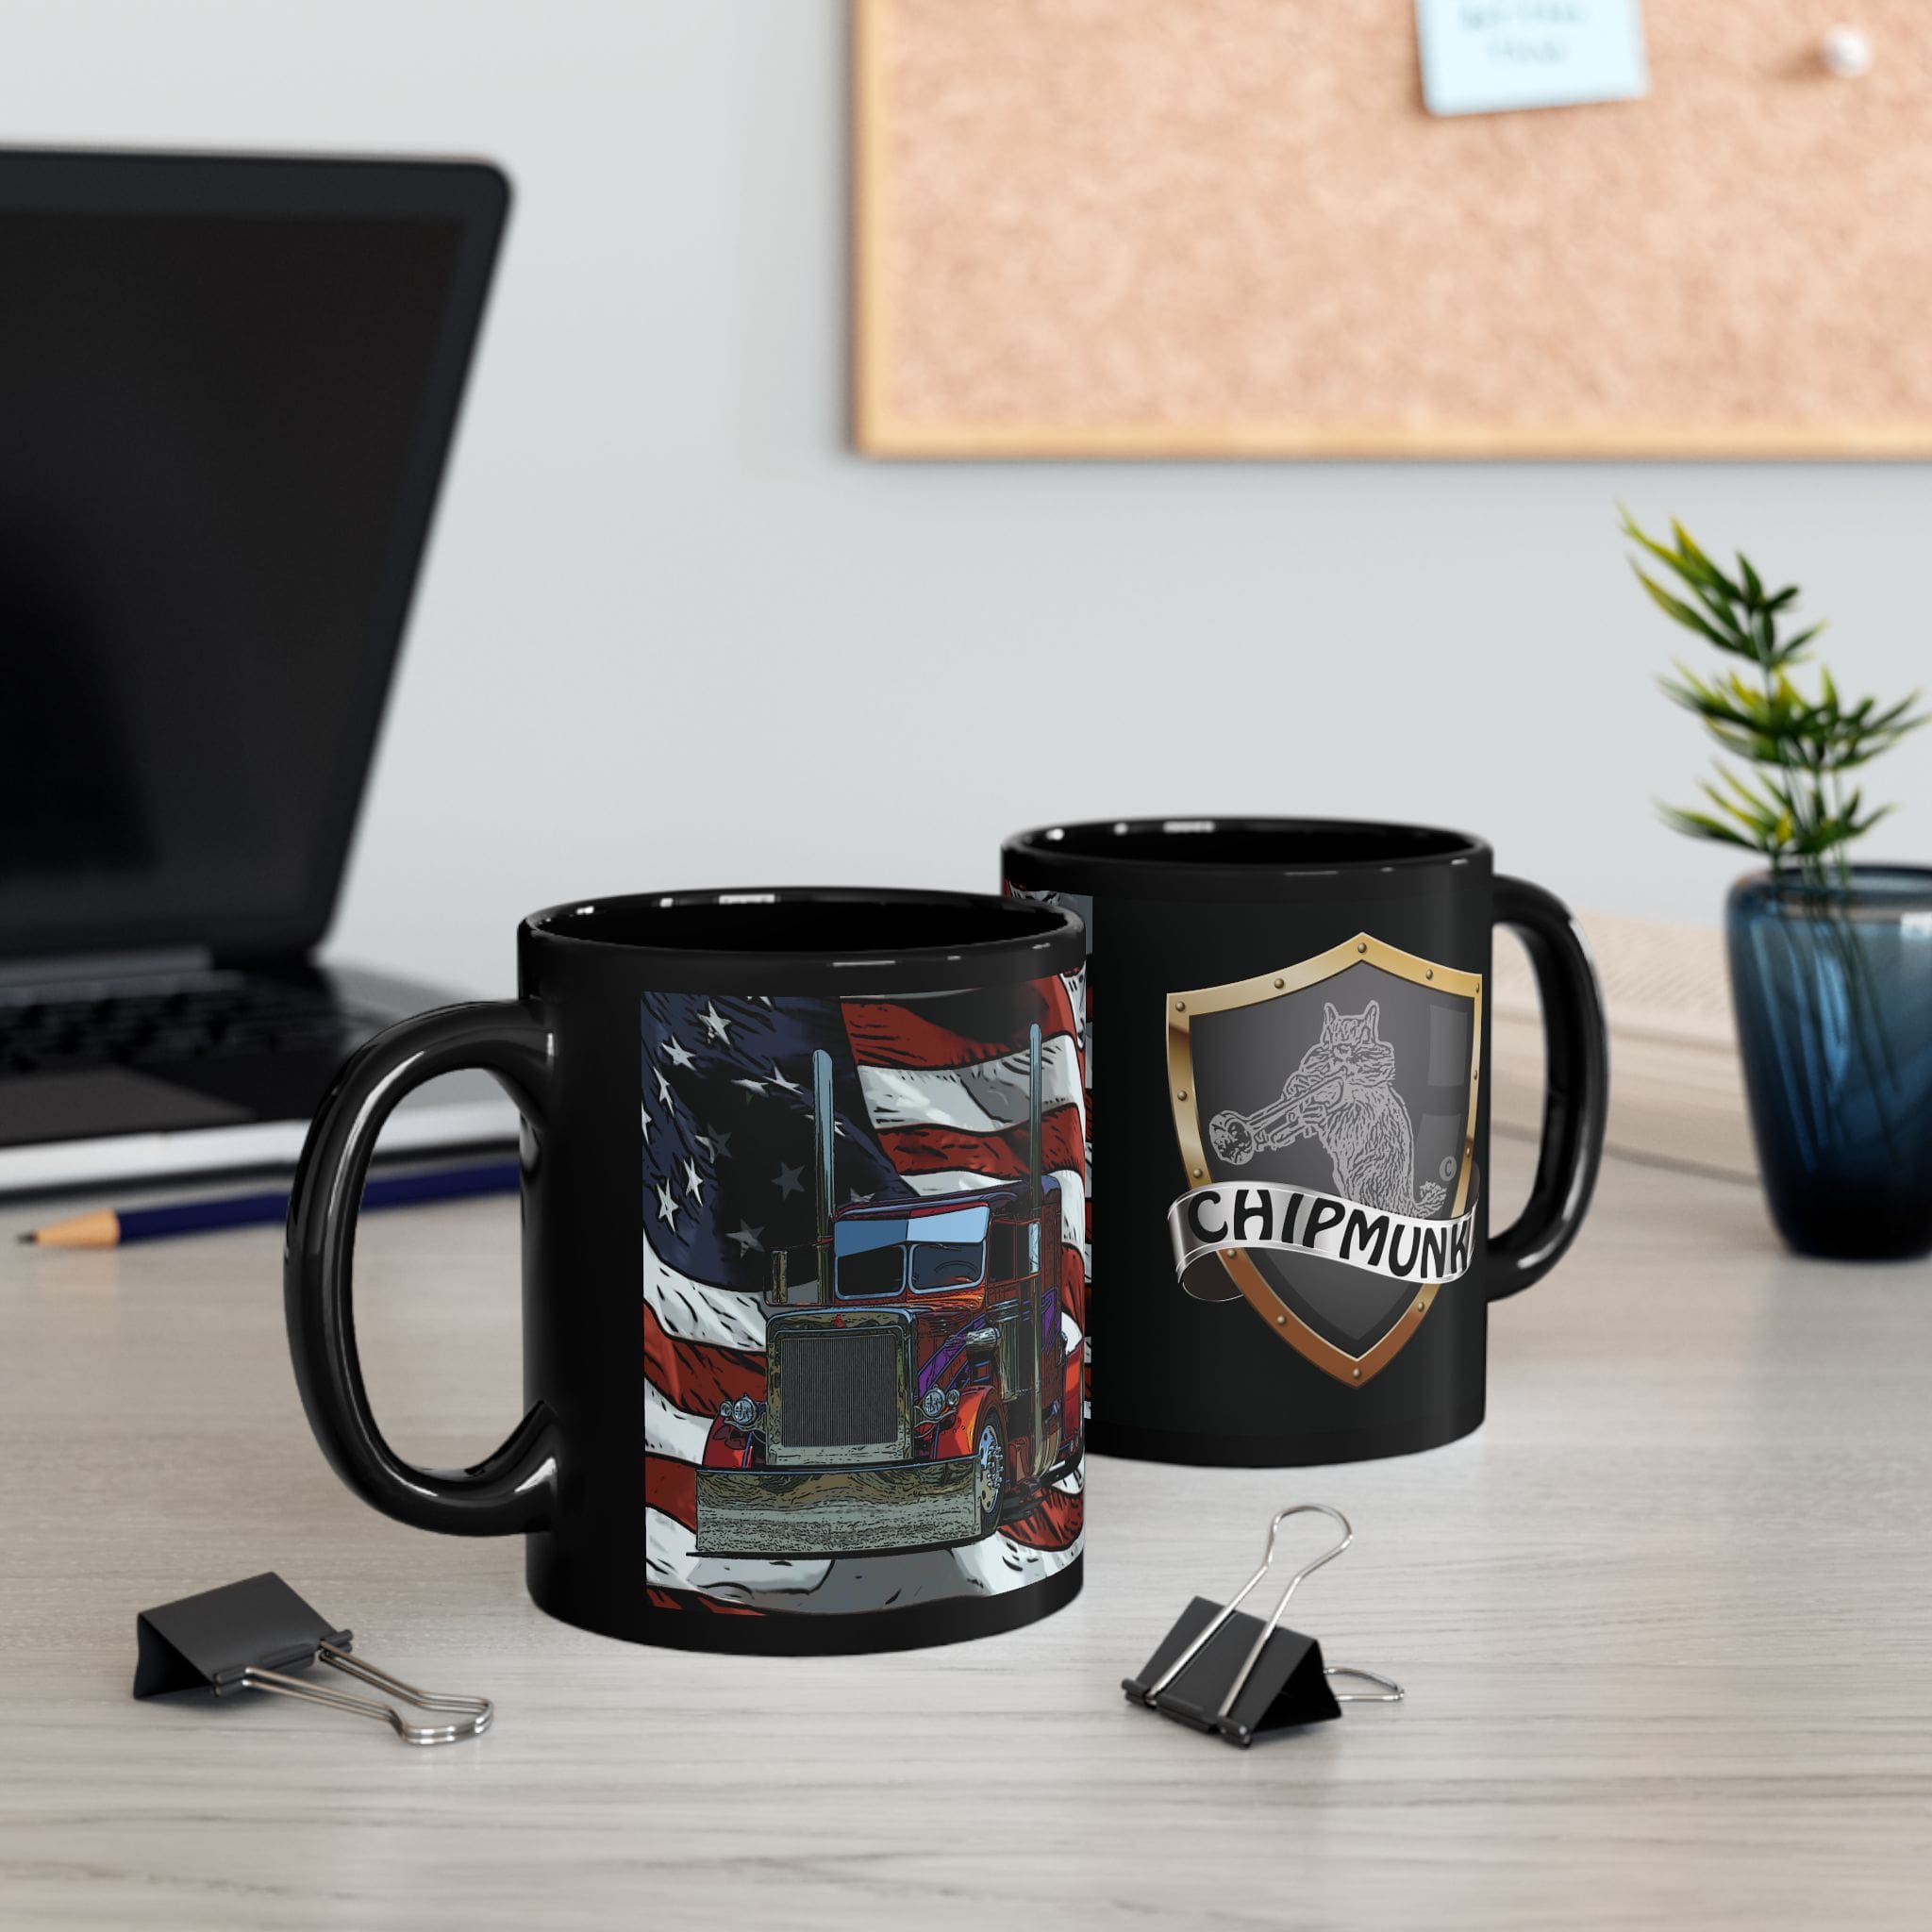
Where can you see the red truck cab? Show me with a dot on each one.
(920, 1383)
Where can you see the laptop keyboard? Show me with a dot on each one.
(208, 1019)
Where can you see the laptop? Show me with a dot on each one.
(227, 387)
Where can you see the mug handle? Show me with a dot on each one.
(1576, 1088)
(512, 1488)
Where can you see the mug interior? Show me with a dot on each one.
(841, 924)
(1270, 844)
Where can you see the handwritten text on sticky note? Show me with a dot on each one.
(1481, 56)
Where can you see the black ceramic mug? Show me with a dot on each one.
(1292, 1230)
(803, 1214)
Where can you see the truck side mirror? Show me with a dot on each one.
(983, 1345)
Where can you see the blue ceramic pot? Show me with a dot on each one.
(1833, 989)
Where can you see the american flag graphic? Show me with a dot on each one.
(931, 1095)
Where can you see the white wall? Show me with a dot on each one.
(674, 633)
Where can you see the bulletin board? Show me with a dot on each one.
(1229, 227)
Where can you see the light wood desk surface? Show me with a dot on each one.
(1665, 1622)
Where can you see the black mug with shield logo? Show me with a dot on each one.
(802, 1253)
(1289, 1233)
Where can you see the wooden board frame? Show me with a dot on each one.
(879, 428)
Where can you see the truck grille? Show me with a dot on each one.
(838, 1387)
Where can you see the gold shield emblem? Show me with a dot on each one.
(1353, 1072)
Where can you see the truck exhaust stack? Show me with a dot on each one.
(824, 1127)
(1033, 1116)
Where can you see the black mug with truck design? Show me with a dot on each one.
(1291, 1228)
(804, 1274)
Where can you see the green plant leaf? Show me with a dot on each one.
(1885, 721)
(1699, 825)
(1792, 748)
(1695, 564)
(1688, 564)
(1680, 612)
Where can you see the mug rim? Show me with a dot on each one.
(1045, 939)
(1047, 845)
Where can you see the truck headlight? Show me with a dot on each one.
(934, 1405)
(745, 1412)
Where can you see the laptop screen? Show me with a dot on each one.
(224, 424)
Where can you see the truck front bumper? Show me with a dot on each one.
(837, 1512)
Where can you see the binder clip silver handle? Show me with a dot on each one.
(479, 1711)
(1391, 1693)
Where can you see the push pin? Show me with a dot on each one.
(1219, 1670)
(250, 1636)
(1846, 53)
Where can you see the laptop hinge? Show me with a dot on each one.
(82, 969)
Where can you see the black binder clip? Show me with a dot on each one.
(1218, 1670)
(248, 1635)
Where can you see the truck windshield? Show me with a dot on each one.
(932, 1252)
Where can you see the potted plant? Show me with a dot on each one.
(1831, 961)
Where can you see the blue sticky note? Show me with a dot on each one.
(1482, 56)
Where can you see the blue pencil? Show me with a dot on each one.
(106, 1228)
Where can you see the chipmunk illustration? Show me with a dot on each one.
(1344, 1094)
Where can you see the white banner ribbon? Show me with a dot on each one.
(1266, 1214)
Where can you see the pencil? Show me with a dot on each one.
(108, 1227)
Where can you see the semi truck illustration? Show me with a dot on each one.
(919, 1385)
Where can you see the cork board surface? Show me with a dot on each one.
(1174, 227)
